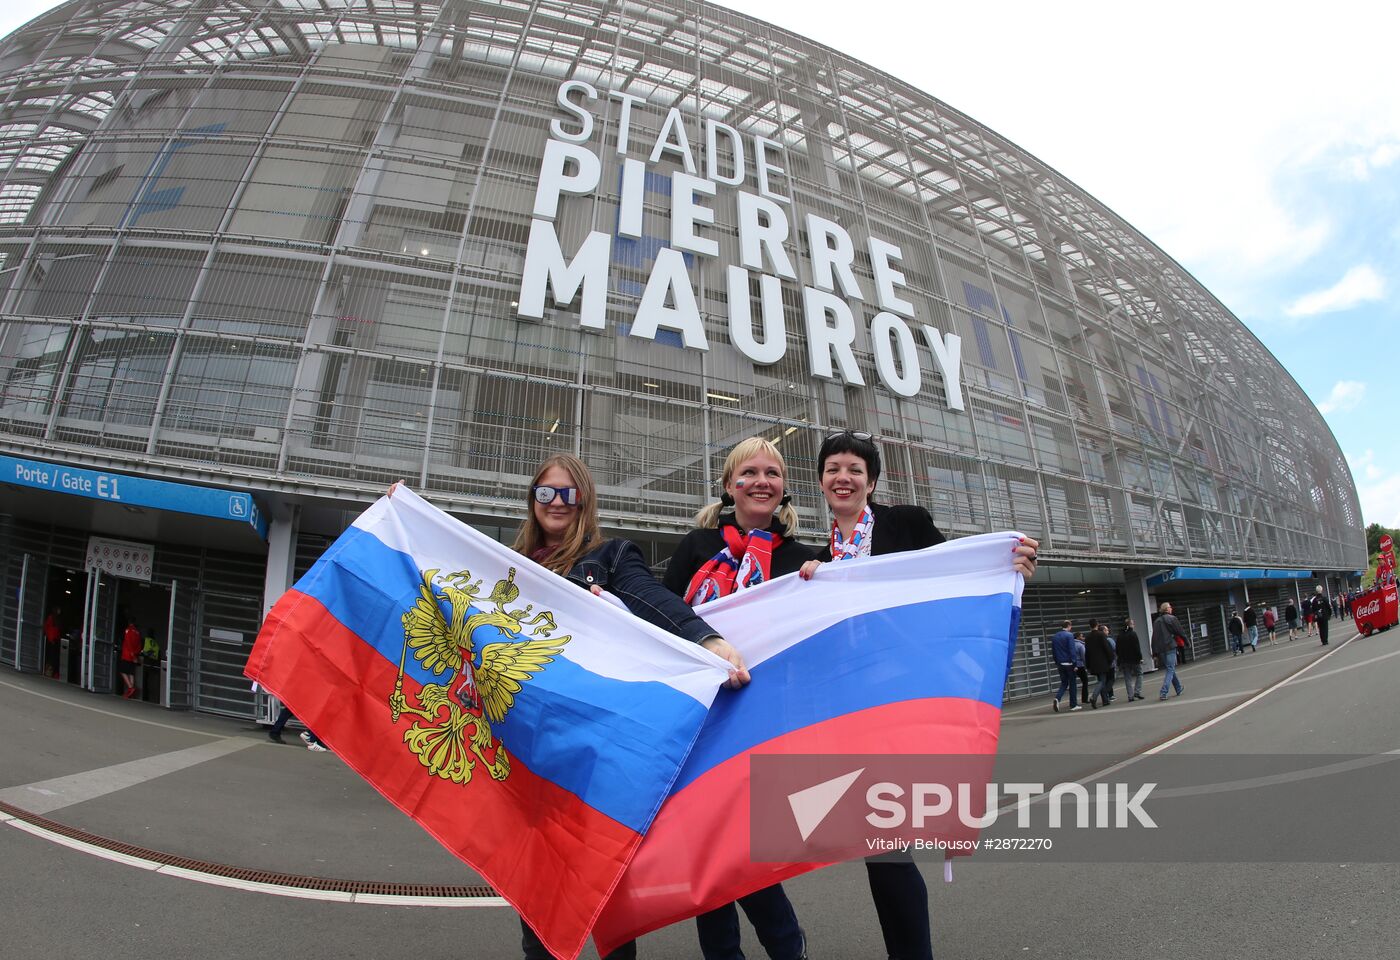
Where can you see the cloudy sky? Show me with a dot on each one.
(1257, 144)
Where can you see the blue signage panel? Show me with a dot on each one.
(135, 491)
(1224, 573)
(1215, 573)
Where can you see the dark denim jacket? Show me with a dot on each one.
(617, 566)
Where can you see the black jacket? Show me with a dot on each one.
(1098, 655)
(1321, 607)
(618, 567)
(701, 544)
(1250, 619)
(896, 530)
(1129, 647)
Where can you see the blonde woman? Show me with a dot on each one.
(743, 540)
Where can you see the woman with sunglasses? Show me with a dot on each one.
(848, 468)
(746, 538)
(561, 534)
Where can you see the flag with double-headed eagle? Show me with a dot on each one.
(533, 729)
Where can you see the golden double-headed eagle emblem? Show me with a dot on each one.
(485, 645)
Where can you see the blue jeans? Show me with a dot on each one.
(1170, 680)
(773, 919)
(1254, 636)
(1067, 680)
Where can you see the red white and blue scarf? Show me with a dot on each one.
(859, 544)
(746, 561)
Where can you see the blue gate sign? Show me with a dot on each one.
(135, 491)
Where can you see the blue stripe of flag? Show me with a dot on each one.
(940, 648)
(615, 744)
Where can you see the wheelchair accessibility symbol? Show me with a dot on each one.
(238, 507)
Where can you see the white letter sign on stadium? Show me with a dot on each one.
(753, 215)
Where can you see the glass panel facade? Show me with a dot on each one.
(289, 243)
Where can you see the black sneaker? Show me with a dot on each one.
(1056, 704)
(275, 737)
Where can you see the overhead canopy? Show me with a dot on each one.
(135, 492)
(1225, 573)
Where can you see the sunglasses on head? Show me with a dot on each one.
(545, 494)
(856, 434)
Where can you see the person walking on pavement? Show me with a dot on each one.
(1322, 612)
(1062, 648)
(1290, 613)
(1112, 663)
(308, 737)
(53, 637)
(1269, 622)
(1129, 650)
(1164, 636)
(131, 650)
(1098, 660)
(1251, 624)
(1079, 670)
(1235, 627)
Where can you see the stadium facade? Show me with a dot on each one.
(258, 260)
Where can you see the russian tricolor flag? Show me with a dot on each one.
(901, 654)
(531, 728)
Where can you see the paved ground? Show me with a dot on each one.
(216, 790)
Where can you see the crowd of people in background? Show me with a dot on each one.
(1097, 654)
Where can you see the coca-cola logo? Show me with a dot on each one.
(1369, 609)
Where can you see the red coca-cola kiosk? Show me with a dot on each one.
(1379, 607)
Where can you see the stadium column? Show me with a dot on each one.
(283, 522)
(1140, 609)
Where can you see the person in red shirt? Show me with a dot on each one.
(53, 635)
(131, 650)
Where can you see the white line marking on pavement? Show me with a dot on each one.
(1273, 780)
(1206, 725)
(110, 713)
(1186, 735)
(1351, 666)
(82, 847)
(49, 795)
(1152, 700)
(250, 886)
(389, 900)
(1037, 708)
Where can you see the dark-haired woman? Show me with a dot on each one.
(848, 468)
(561, 533)
(744, 539)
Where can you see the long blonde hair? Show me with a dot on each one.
(582, 535)
(745, 450)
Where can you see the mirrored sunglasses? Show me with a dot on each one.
(857, 434)
(543, 493)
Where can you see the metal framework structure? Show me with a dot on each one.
(278, 243)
